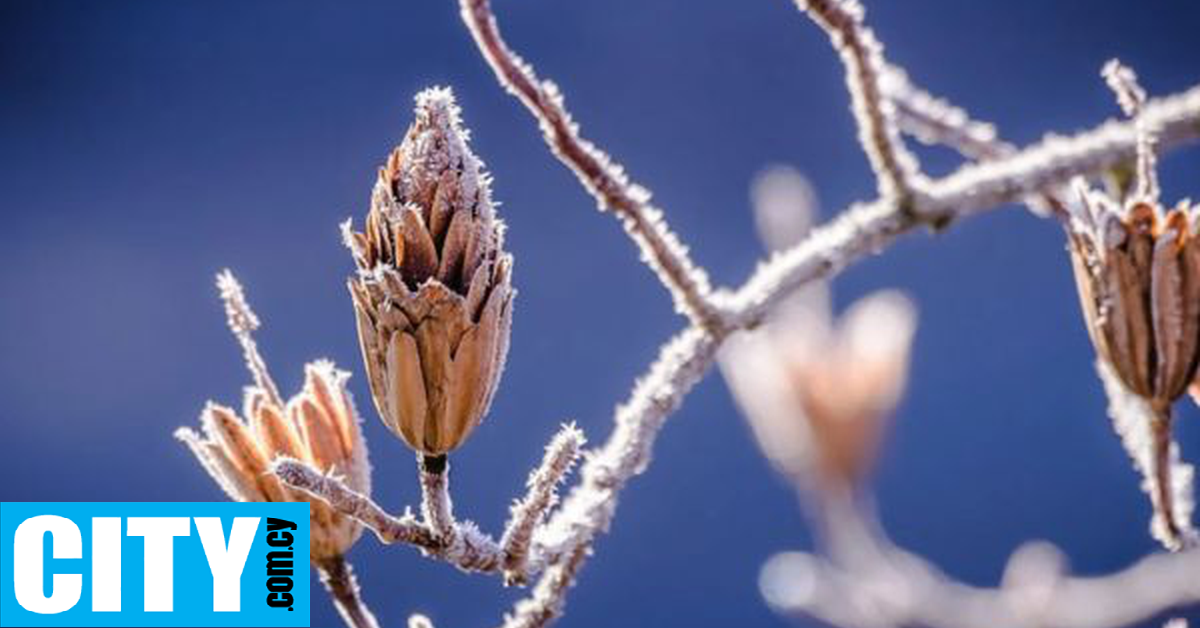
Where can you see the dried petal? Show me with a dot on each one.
(453, 250)
(472, 363)
(238, 442)
(1174, 330)
(1086, 284)
(277, 434)
(1128, 321)
(407, 403)
(433, 343)
(420, 255)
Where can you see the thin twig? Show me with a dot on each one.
(896, 170)
(338, 577)
(549, 598)
(561, 454)
(436, 506)
(242, 322)
(406, 529)
(1132, 98)
(934, 120)
(599, 174)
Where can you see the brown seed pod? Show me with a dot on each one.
(433, 292)
(1138, 275)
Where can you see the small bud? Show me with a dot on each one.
(318, 426)
(432, 296)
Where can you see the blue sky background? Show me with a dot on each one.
(146, 145)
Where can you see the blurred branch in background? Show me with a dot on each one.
(882, 586)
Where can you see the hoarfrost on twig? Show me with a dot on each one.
(243, 322)
(896, 170)
(599, 174)
(527, 514)
(1165, 478)
(1132, 98)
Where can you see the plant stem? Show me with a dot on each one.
(338, 578)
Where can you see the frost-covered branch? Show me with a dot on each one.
(466, 547)
(437, 508)
(338, 577)
(559, 547)
(890, 587)
(437, 534)
(527, 514)
(549, 597)
(934, 120)
(604, 179)
(405, 529)
(1132, 98)
(1145, 433)
(896, 170)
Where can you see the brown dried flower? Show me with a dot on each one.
(432, 294)
(318, 426)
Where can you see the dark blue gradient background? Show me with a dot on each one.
(146, 145)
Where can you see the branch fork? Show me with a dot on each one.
(437, 534)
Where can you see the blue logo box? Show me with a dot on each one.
(154, 564)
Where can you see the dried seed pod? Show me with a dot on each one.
(1138, 274)
(318, 426)
(432, 295)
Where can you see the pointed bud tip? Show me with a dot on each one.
(436, 107)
